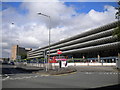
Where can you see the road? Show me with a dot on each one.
(85, 77)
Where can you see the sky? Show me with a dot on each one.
(30, 30)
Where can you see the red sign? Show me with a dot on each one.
(59, 51)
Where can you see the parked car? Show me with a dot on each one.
(5, 62)
(12, 63)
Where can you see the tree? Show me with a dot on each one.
(117, 16)
(117, 31)
(23, 56)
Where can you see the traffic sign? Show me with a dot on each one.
(59, 51)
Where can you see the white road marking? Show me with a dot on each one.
(104, 73)
(107, 73)
(6, 77)
(11, 78)
(110, 73)
(36, 76)
(45, 75)
(24, 77)
(113, 73)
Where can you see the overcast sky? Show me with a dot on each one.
(30, 30)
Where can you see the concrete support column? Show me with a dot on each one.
(118, 61)
(98, 58)
(83, 57)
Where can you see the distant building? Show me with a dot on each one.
(19, 52)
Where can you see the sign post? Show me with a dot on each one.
(59, 52)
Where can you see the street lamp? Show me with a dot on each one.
(10, 54)
(49, 32)
(18, 50)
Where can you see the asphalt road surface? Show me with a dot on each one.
(85, 77)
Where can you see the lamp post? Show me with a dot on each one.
(10, 54)
(18, 50)
(49, 33)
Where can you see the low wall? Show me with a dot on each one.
(91, 64)
(74, 64)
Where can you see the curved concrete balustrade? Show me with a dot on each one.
(92, 48)
(89, 43)
(91, 37)
(89, 49)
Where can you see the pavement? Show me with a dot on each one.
(70, 69)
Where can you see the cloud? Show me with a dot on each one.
(60, 0)
(56, 10)
(32, 30)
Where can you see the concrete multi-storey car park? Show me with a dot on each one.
(95, 43)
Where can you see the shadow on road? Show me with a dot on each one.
(14, 70)
(107, 87)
